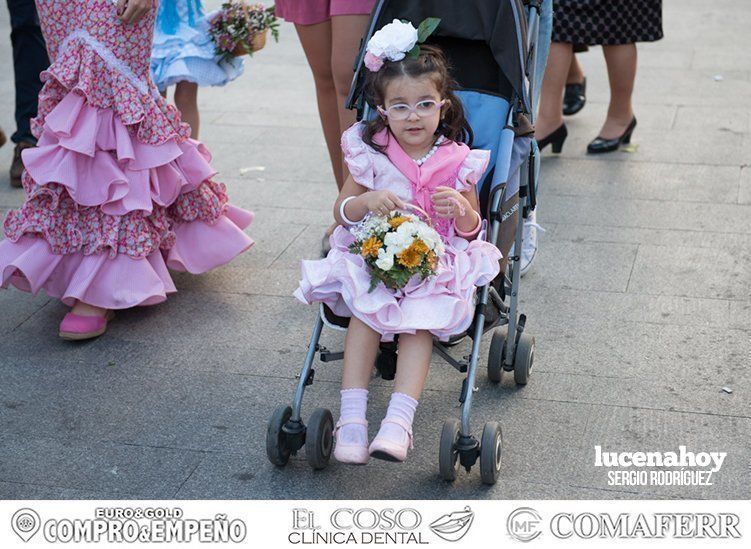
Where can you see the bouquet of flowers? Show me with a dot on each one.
(240, 28)
(396, 247)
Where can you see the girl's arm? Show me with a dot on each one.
(365, 201)
(131, 11)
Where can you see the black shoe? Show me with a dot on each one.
(16, 167)
(575, 97)
(3, 138)
(556, 138)
(600, 145)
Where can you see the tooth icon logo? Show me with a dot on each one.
(453, 526)
(25, 523)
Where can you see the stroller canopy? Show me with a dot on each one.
(485, 40)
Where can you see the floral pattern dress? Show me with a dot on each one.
(116, 191)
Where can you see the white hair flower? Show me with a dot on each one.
(392, 42)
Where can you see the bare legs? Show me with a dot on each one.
(316, 42)
(346, 33)
(186, 100)
(575, 72)
(553, 83)
(330, 49)
(412, 365)
(362, 343)
(563, 68)
(84, 309)
(621, 61)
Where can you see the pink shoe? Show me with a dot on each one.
(346, 452)
(77, 327)
(384, 447)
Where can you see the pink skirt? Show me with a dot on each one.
(311, 12)
(442, 304)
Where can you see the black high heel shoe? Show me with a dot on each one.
(599, 145)
(575, 97)
(555, 138)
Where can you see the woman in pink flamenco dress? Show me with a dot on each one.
(116, 191)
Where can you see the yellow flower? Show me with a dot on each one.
(397, 220)
(420, 246)
(432, 260)
(370, 247)
(410, 257)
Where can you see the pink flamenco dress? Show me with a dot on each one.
(442, 304)
(116, 191)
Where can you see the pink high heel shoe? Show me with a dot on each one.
(384, 447)
(346, 452)
(78, 327)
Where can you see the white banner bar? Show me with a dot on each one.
(272, 524)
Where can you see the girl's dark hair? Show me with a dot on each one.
(430, 63)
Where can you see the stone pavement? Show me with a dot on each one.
(639, 302)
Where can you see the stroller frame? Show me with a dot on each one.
(287, 433)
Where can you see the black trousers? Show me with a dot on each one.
(29, 59)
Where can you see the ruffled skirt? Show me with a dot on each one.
(189, 56)
(116, 193)
(442, 304)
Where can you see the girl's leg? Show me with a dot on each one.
(621, 61)
(550, 115)
(575, 72)
(395, 435)
(360, 348)
(413, 363)
(346, 33)
(84, 309)
(186, 100)
(316, 42)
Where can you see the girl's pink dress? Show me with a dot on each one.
(311, 12)
(116, 191)
(442, 304)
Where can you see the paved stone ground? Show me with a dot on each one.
(639, 302)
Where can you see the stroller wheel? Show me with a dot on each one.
(276, 441)
(525, 356)
(490, 452)
(496, 354)
(448, 457)
(319, 438)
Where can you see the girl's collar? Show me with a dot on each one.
(446, 158)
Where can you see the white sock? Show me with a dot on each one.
(403, 407)
(354, 406)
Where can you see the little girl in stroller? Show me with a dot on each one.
(411, 153)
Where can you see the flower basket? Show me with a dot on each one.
(239, 28)
(256, 44)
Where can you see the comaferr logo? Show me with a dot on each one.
(656, 525)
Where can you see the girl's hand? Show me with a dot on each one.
(449, 203)
(382, 202)
(131, 11)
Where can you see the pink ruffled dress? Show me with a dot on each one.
(116, 191)
(442, 304)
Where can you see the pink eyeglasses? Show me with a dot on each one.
(401, 111)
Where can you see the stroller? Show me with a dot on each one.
(491, 46)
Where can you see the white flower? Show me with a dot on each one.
(393, 41)
(431, 238)
(398, 241)
(385, 260)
